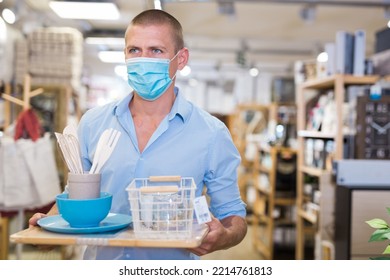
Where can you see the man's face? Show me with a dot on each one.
(149, 41)
(154, 41)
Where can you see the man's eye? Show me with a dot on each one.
(157, 51)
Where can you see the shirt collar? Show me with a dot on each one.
(181, 106)
(122, 106)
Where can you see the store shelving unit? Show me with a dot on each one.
(272, 208)
(241, 126)
(274, 163)
(318, 218)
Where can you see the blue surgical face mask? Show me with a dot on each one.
(149, 77)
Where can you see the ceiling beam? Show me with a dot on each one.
(363, 4)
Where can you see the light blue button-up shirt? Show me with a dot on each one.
(188, 142)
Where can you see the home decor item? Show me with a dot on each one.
(70, 149)
(82, 213)
(29, 174)
(373, 127)
(83, 186)
(382, 232)
(105, 146)
(113, 222)
(162, 206)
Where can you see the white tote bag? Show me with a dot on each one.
(17, 186)
(40, 160)
(30, 173)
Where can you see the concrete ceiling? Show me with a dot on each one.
(271, 33)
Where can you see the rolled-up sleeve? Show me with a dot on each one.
(221, 178)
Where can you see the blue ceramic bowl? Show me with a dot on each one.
(82, 213)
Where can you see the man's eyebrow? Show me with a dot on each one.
(153, 47)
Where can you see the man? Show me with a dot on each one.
(163, 134)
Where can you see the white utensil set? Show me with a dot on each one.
(70, 149)
(105, 146)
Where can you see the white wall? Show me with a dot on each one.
(215, 99)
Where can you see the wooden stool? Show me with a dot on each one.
(4, 243)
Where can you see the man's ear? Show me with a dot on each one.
(183, 58)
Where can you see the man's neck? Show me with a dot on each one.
(159, 107)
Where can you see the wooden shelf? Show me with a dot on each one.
(263, 190)
(282, 201)
(315, 134)
(241, 128)
(263, 169)
(313, 171)
(263, 249)
(283, 223)
(319, 134)
(307, 216)
(267, 199)
(329, 82)
(325, 217)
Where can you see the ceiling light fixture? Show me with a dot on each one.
(254, 71)
(85, 10)
(112, 56)
(9, 16)
(157, 4)
(105, 41)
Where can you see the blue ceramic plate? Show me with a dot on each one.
(111, 222)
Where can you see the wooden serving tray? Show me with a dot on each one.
(123, 238)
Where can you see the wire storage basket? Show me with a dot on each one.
(162, 206)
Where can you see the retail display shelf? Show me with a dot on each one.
(264, 190)
(315, 134)
(285, 201)
(335, 87)
(313, 171)
(263, 169)
(328, 82)
(308, 216)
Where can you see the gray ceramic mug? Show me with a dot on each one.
(83, 186)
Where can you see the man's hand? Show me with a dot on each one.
(222, 235)
(33, 221)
